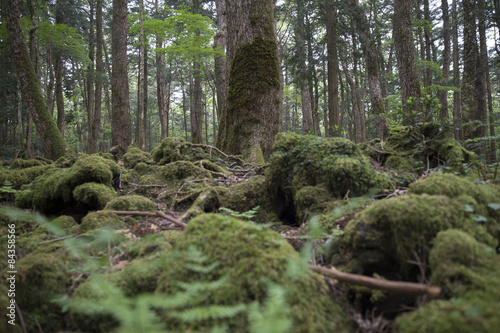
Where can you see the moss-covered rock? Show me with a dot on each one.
(130, 203)
(20, 163)
(24, 176)
(248, 255)
(41, 278)
(386, 236)
(157, 243)
(246, 196)
(93, 195)
(101, 219)
(335, 164)
(53, 192)
(135, 155)
(468, 271)
(173, 149)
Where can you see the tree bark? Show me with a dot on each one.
(252, 118)
(482, 70)
(90, 82)
(457, 121)
(52, 140)
(120, 121)
(443, 93)
(307, 116)
(220, 61)
(160, 83)
(372, 69)
(333, 69)
(96, 118)
(407, 68)
(470, 58)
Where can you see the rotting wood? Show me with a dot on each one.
(158, 213)
(397, 287)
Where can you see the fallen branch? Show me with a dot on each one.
(158, 213)
(397, 287)
(211, 147)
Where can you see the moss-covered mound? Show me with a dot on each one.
(246, 196)
(469, 273)
(53, 192)
(22, 176)
(101, 219)
(389, 234)
(131, 203)
(93, 195)
(173, 149)
(332, 164)
(248, 255)
(135, 155)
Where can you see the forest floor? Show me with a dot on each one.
(328, 236)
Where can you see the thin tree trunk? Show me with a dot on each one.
(469, 72)
(443, 94)
(333, 69)
(457, 121)
(90, 83)
(482, 71)
(120, 128)
(160, 83)
(356, 107)
(96, 119)
(407, 68)
(141, 125)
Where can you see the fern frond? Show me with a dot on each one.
(208, 312)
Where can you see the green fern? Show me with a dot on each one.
(245, 215)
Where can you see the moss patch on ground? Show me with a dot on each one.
(469, 273)
(248, 254)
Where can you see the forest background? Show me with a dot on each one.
(330, 54)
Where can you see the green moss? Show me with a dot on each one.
(469, 272)
(247, 195)
(311, 200)
(206, 202)
(477, 197)
(41, 278)
(19, 177)
(135, 155)
(131, 203)
(334, 163)
(390, 233)
(248, 254)
(403, 163)
(175, 172)
(53, 192)
(160, 242)
(173, 149)
(101, 219)
(93, 196)
(65, 223)
(5, 304)
(19, 163)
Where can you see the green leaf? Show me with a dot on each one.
(479, 218)
(469, 208)
(494, 206)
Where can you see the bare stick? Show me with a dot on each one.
(397, 287)
(211, 147)
(158, 213)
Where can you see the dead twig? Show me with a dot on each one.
(158, 213)
(398, 287)
(211, 147)
(55, 240)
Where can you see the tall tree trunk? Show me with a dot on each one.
(253, 109)
(356, 107)
(457, 120)
(299, 29)
(470, 67)
(197, 94)
(407, 67)
(443, 94)
(160, 82)
(428, 56)
(221, 70)
(96, 117)
(141, 139)
(58, 69)
(333, 69)
(120, 121)
(51, 137)
(372, 69)
(482, 71)
(90, 81)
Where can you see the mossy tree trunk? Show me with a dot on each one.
(121, 133)
(252, 117)
(50, 135)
